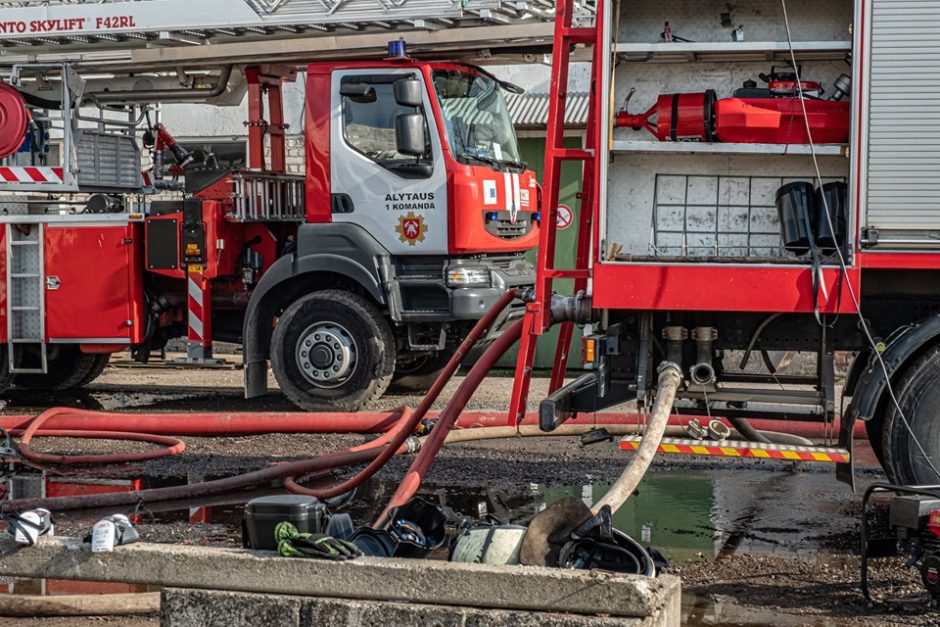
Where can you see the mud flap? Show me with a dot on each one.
(256, 379)
(845, 473)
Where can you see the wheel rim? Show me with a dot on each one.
(326, 354)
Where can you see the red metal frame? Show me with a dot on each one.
(538, 313)
(259, 86)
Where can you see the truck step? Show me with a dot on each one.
(740, 448)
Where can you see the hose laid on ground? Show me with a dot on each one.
(477, 434)
(224, 424)
(131, 604)
(670, 378)
(408, 423)
(357, 455)
(172, 446)
(433, 442)
(749, 432)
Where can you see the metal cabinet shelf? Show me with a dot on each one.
(640, 146)
(728, 51)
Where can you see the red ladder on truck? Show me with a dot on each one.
(538, 313)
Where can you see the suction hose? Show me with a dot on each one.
(749, 432)
(670, 378)
(407, 424)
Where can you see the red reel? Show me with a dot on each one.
(13, 120)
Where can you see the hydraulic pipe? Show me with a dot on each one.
(433, 442)
(670, 378)
(409, 421)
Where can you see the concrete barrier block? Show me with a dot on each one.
(204, 608)
(208, 608)
(519, 588)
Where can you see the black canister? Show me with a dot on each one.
(795, 203)
(832, 196)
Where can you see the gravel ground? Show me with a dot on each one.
(796, 563)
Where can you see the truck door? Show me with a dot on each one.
(400, 200)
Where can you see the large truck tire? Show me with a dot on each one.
(66, 368)
(918, 394)
(332, 351)
(416, 376)
(100, 363)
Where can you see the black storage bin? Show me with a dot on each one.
(835, 198)
(795, 202)
(264, 513)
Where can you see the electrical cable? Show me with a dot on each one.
(843, 266)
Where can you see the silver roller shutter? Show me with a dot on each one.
(903, 187)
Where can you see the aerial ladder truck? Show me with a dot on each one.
(410, 220)
(734, 221)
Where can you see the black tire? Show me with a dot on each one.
(345, 317)
(418, 375)
(918, 394)
(100, 363)
(66, 368)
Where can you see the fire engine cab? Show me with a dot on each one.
(411, 218)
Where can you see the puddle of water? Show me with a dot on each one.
(686, 514)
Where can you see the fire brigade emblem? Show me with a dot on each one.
(411, 228)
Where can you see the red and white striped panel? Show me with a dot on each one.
(30, 175)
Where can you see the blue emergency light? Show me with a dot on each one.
(397, 48)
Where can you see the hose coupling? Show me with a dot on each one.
(670, 372)
(718, 431)
(575, 308)
(695, 430)
(412, 445)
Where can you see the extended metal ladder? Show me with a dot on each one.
(25, 296)
(54, 26)
(538, 313)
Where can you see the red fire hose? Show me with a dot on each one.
(370, 452)
(408, 422)
(432, 444)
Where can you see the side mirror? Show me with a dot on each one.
(408, 92)
(410, 137)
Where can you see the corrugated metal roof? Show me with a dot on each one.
(530, 110)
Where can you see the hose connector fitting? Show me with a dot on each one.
(575, 308)
(669, 372)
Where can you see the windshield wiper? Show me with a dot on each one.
(481, 159)
(513, 164)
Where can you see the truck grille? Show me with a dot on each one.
(500, 224)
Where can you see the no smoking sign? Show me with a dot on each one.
(564, 217)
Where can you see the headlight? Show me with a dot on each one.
(466, 277)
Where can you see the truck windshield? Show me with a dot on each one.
(476, 118)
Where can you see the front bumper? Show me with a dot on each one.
(470, 303)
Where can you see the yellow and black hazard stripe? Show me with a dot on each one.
(751, 450)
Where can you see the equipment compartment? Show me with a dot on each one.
(674, 192)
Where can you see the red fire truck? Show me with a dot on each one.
(735, 220)
(411, 219)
